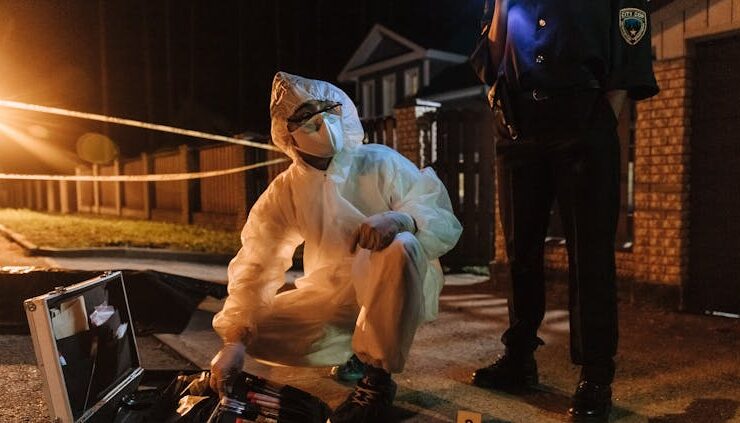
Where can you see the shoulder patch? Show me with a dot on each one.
(632, 24)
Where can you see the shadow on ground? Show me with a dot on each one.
(705, 410)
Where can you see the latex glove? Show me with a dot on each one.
(225, 366)
(378, 231)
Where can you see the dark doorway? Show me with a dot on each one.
(714, 262)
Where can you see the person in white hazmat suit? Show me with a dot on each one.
(373, 225)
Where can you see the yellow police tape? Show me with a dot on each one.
(130, 122)
(140, 178)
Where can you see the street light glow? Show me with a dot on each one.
(46, 152)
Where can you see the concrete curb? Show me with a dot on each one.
(17, 238)
(32, 249)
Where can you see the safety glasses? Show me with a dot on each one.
(310, 120)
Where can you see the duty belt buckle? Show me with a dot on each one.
(537, 96)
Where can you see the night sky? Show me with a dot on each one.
(194, 64)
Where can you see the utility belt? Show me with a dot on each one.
(542, 112)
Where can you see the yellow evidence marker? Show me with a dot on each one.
(468, 417)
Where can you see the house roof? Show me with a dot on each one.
(383, 48)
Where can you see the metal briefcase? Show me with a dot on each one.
(86, 350)
(85, 347)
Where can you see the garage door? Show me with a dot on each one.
(714, 265)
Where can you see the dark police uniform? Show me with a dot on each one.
(556, 60)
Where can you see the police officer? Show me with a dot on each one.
(563, 70)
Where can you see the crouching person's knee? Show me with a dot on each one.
(411, 260)
(400, 267)
(406, 245)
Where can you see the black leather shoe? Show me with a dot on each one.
(508, 373)
(592, 402)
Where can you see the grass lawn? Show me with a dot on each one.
(71, 231)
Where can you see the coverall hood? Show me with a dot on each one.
(290, 91)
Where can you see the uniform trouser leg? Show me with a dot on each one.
(587, 180)
(583, 172)
(388, 285)
(526, 193)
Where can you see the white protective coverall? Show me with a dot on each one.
(371, 301)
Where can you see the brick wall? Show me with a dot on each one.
(408, 132)
(556, 258)
(661, 221)
(661, 177)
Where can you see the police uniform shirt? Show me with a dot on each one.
(573, 44)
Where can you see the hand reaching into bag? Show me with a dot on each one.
(378, 231)
(225, 367)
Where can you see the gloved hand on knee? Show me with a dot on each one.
(225, 367)
(378, 231)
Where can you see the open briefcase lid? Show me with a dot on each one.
(85, 347)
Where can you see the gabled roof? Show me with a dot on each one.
(383, 48)
(377, 36)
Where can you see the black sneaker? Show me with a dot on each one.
(370, 402)
(508, 373)
(351, 371)
(592, 402)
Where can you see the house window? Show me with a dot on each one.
(625, 224)
(410, 82)
(389, 94)
(368, 99)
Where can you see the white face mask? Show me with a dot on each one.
(320, 136)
